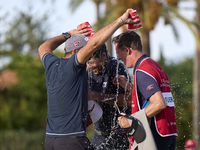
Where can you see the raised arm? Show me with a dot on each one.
(50, 45)
(102, 36)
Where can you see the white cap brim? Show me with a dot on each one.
(96, 112)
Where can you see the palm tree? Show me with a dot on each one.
(149, 11)
(196, 80)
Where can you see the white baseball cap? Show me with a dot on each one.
(95, 111)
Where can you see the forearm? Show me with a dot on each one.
(156, 106)
(97, 40)
(105, 33)
(50, 45)
(53, 43)
(124, 99)
(152, 110)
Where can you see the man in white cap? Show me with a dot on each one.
(102, 69)
(67, 87)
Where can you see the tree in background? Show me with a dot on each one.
(23, 105)
(181, 85)
(196, 78)
(25, 34)
(180, 77)
(149, 11)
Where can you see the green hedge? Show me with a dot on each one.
(23, 140)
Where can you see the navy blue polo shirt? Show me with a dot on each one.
(67, 96)
(102, 83)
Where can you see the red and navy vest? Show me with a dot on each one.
(165, 121)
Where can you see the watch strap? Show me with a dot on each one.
(66, 35)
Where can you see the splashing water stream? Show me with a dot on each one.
(114, 125)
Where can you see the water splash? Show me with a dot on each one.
(114, 125)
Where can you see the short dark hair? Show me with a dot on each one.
(128, 39)
(101, 49)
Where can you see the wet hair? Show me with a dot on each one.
(128, 39)
(101, 49)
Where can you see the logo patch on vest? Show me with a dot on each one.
(150, 87)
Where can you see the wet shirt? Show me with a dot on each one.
(102, 83)
(67, 96)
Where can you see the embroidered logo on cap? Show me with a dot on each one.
(150, 87)
(77, 43)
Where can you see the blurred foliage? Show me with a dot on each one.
(26, 140)
(180, 76)
(24, 104)
(24, 35)
(22, 140)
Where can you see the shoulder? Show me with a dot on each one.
(141, 74)
(48, 58)
(149, 64)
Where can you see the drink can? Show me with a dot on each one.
(134, 15)
(88, 27)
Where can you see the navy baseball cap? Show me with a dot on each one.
(76, 41)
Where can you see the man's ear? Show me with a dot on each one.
(129, 50)
(74, 51)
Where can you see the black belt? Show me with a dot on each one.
(79, 136)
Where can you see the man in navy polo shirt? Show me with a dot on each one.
(102, 70)
(67, 86)
(67, 107)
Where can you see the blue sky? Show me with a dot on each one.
(62, 20)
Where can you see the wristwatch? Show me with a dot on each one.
(66, 35)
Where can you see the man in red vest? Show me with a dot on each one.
(151, 91)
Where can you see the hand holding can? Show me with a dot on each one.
(134, 15)
(88, 27)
